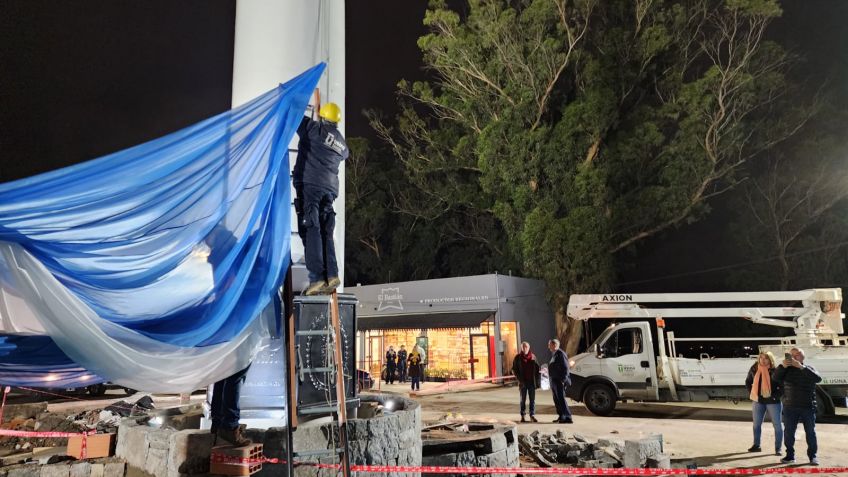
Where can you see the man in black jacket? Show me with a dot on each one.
(560, 377)
(799, 403)
(320, 151)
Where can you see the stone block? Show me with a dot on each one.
(24, 470)
(615, 444)
(594, 464)
(56, 470)
(115, 468)
(637, 451)
(157, 462)
(495, 459)
(658, 461)
(79, 469)
(96, 469)
(132, 443)
(159, 438)
(189, 452)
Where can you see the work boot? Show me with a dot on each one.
(331, 285)
(234, 437)
(314, 288)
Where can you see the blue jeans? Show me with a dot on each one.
(791, 417)
(416, 383)
(225, 409)
(531, 393)
(774, 411)
(316, 222)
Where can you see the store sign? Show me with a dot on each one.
(389, 299)
(453, 299)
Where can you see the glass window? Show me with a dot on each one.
(623, 342)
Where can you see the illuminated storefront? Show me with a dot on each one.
(470, 327)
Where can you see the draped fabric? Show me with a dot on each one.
(154, 267)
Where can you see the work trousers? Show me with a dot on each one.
(225, 409)
(316, 223)
(558, 390)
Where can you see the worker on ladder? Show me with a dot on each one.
(320, 151)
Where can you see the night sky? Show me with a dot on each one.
(79, 79)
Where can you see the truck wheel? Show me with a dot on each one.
(599, 399)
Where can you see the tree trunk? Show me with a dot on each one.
(568, 331)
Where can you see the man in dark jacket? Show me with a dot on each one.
(525, 368)
(401, 363)
(391, 365)
(799, 403)
(320, 151)
(560, 377)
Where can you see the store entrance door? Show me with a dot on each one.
(374, 357)
(479, 359)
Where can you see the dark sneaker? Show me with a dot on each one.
(777, 452)
(314, 288)
(522, 419)
(565, 421)
(814, 461)
(331, 285)
(533, 419)
(788, 460)
(755, 449)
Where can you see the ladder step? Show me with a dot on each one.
(319, 452)
(314, 332)
(318, 410)
(317, 370)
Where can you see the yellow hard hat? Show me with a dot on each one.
(331, 112)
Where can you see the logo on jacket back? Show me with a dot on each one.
(390, 299)
(333, 143)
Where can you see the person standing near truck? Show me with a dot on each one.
(560, 376)
(765, 394)
(525, 368)
(799, 402)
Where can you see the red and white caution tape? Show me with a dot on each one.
(226, 459)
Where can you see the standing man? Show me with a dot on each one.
(526, 370)
(320, 151)
(560, 377)
(225, 411)
(391, 365)
(401, 362)
(799, 402)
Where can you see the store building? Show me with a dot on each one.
(470, 327)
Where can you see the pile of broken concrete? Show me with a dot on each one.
(552, 450)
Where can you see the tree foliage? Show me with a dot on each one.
(556, 134)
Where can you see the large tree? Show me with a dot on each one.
(558, 134)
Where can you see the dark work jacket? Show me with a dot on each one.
(558, 367)
(391, 359)
(776, 387)
(799, 385)
(522, 370)
(320, 150)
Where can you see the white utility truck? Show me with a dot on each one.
(638, 360)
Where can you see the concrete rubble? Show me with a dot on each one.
(551, 450)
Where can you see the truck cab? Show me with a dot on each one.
(619, 364)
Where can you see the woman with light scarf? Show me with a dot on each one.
(765, 394)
